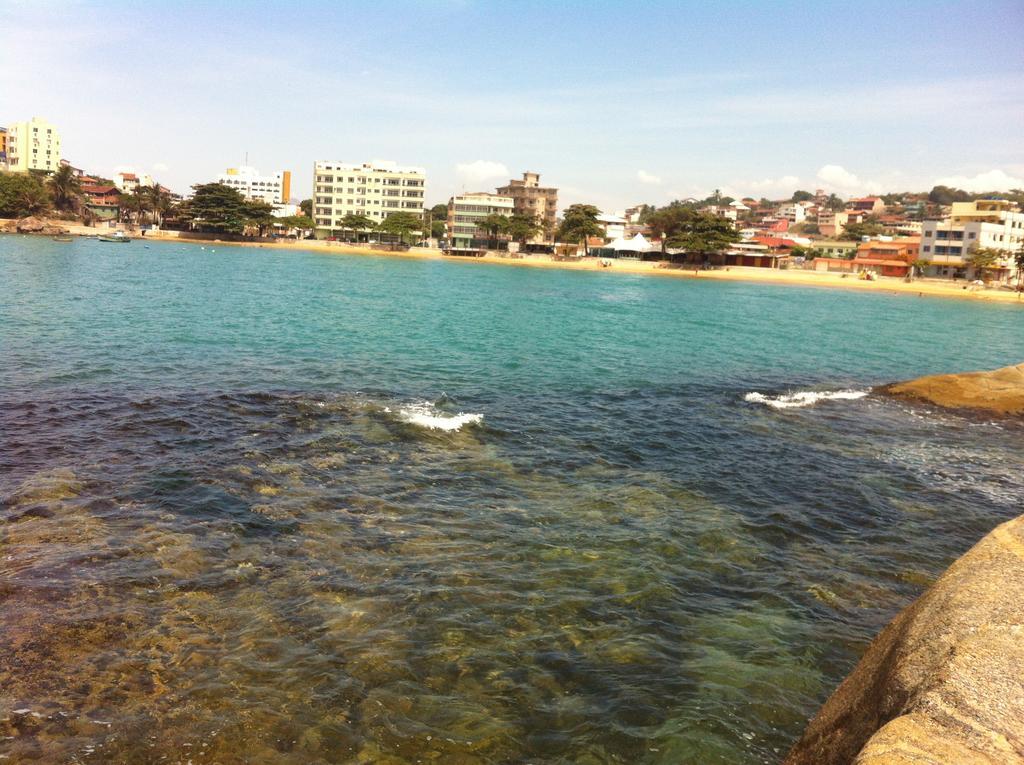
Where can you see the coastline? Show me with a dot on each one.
(919, 288)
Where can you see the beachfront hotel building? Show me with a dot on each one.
(274, 189)
(982, 224)
(373, 189)
(3, 148)
(33, 145)
(530, 198)
(466, 211)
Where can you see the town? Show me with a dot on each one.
(942, 234)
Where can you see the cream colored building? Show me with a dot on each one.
(274, 189)
(33, 145)
(983, 224)
(373, 189)
(465, 213)
(531, 198)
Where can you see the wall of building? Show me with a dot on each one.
(373, 189)
(33, 145)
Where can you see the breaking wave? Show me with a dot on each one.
(426, 415)
(803, 398)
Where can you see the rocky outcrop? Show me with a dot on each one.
(1000, 391)
(943, 683)
(32, 225)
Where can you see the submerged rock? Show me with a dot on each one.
(942, 683)
(1000, 391)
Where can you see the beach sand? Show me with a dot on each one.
(919, 287)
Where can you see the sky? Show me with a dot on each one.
(614, 103)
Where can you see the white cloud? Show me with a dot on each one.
(838, 178)
(646, 177)
(772, 188)
(474, 174)
(993, 180)
(160, 167)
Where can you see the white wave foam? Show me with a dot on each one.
(803, 398)
(426, 416)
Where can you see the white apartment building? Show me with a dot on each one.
(373, 189)
(794, 213)
(465, 213)
(33, 145)
(274, 189)
(985, 223)
(614, 226)
(128, 183)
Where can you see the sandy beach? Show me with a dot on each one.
(919, 287)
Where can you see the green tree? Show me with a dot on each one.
(801, 196)
(158, 201)
(917, 268)
(65, 190)
(356, 223)
(807, 253)
(218, 207)
(982, 259)
(703, 233)
(1018, 260)
(578, 223)
(300, 222)
(306, 205)
(523, 226)
(258, 215)
(132, 206)
(834, 203)
(22, 194)
(494, 225)
(665, 222)
(401, 224)
(946, 195)
(437, 218)
(857, 231)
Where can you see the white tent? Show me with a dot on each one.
(636, 244)
(619, 245)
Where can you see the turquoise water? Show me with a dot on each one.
(227, 532)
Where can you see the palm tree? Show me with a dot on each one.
(65, 189)
(493, 224)
(159, 202)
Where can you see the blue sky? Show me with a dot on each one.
(615, 103)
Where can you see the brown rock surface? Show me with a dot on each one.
(33, 225)
(943, 683)
(1000, 391)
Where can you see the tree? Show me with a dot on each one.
(218, 207)
(65, 190)
(857, 231)
(299, 222)
(523, 226)
(493, 225)
(578, 223)
(834, 203)
(946, 195)
(401, 224)
(1018, 260)
(258, 215)
(917, 268)
(807, 253)
(801, 196)
(981, 259)
(356, 223)
(22, 194)
(704, 233)
(306, 205)
(158, 201)
(132, 206)
(667, 221)
(437, 218)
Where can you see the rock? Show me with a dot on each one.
(33, 225)
(1000, 391)
(943, 682)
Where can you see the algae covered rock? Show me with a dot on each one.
(1000, 391)
(943, 682)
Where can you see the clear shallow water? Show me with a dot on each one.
(227, 535)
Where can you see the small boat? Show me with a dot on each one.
(117, 237)
(63, 239)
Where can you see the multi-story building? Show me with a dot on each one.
(614, 226)
(869, 205)
(33, 145)
(128, 183)
(274, 189)
(531, 198)
(3, 148)
(794, 213)
(466, 211)
(832, 223)
(834, 248)
(983, 224)
(373, 189)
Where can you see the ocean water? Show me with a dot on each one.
(266, 507)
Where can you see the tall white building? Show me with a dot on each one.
(373, 189)
(128, 183)
(33, 145)
(983, 224)
(274, 189)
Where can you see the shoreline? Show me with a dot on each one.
(922, 288)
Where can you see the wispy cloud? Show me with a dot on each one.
(645, 177)
(473, 175)
(993, 180)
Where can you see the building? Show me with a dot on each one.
(831, 248)
(531, 198)
(794, 213)
(869, 205)
(983, 224)
(832, 223)
(3, 148)
(128, 183)
(274, 189)
(722, 211)
(33, 145)
(373, 189)
(613, 225)
(466, 211)
(103, 200)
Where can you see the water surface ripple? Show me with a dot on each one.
(228, 533)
